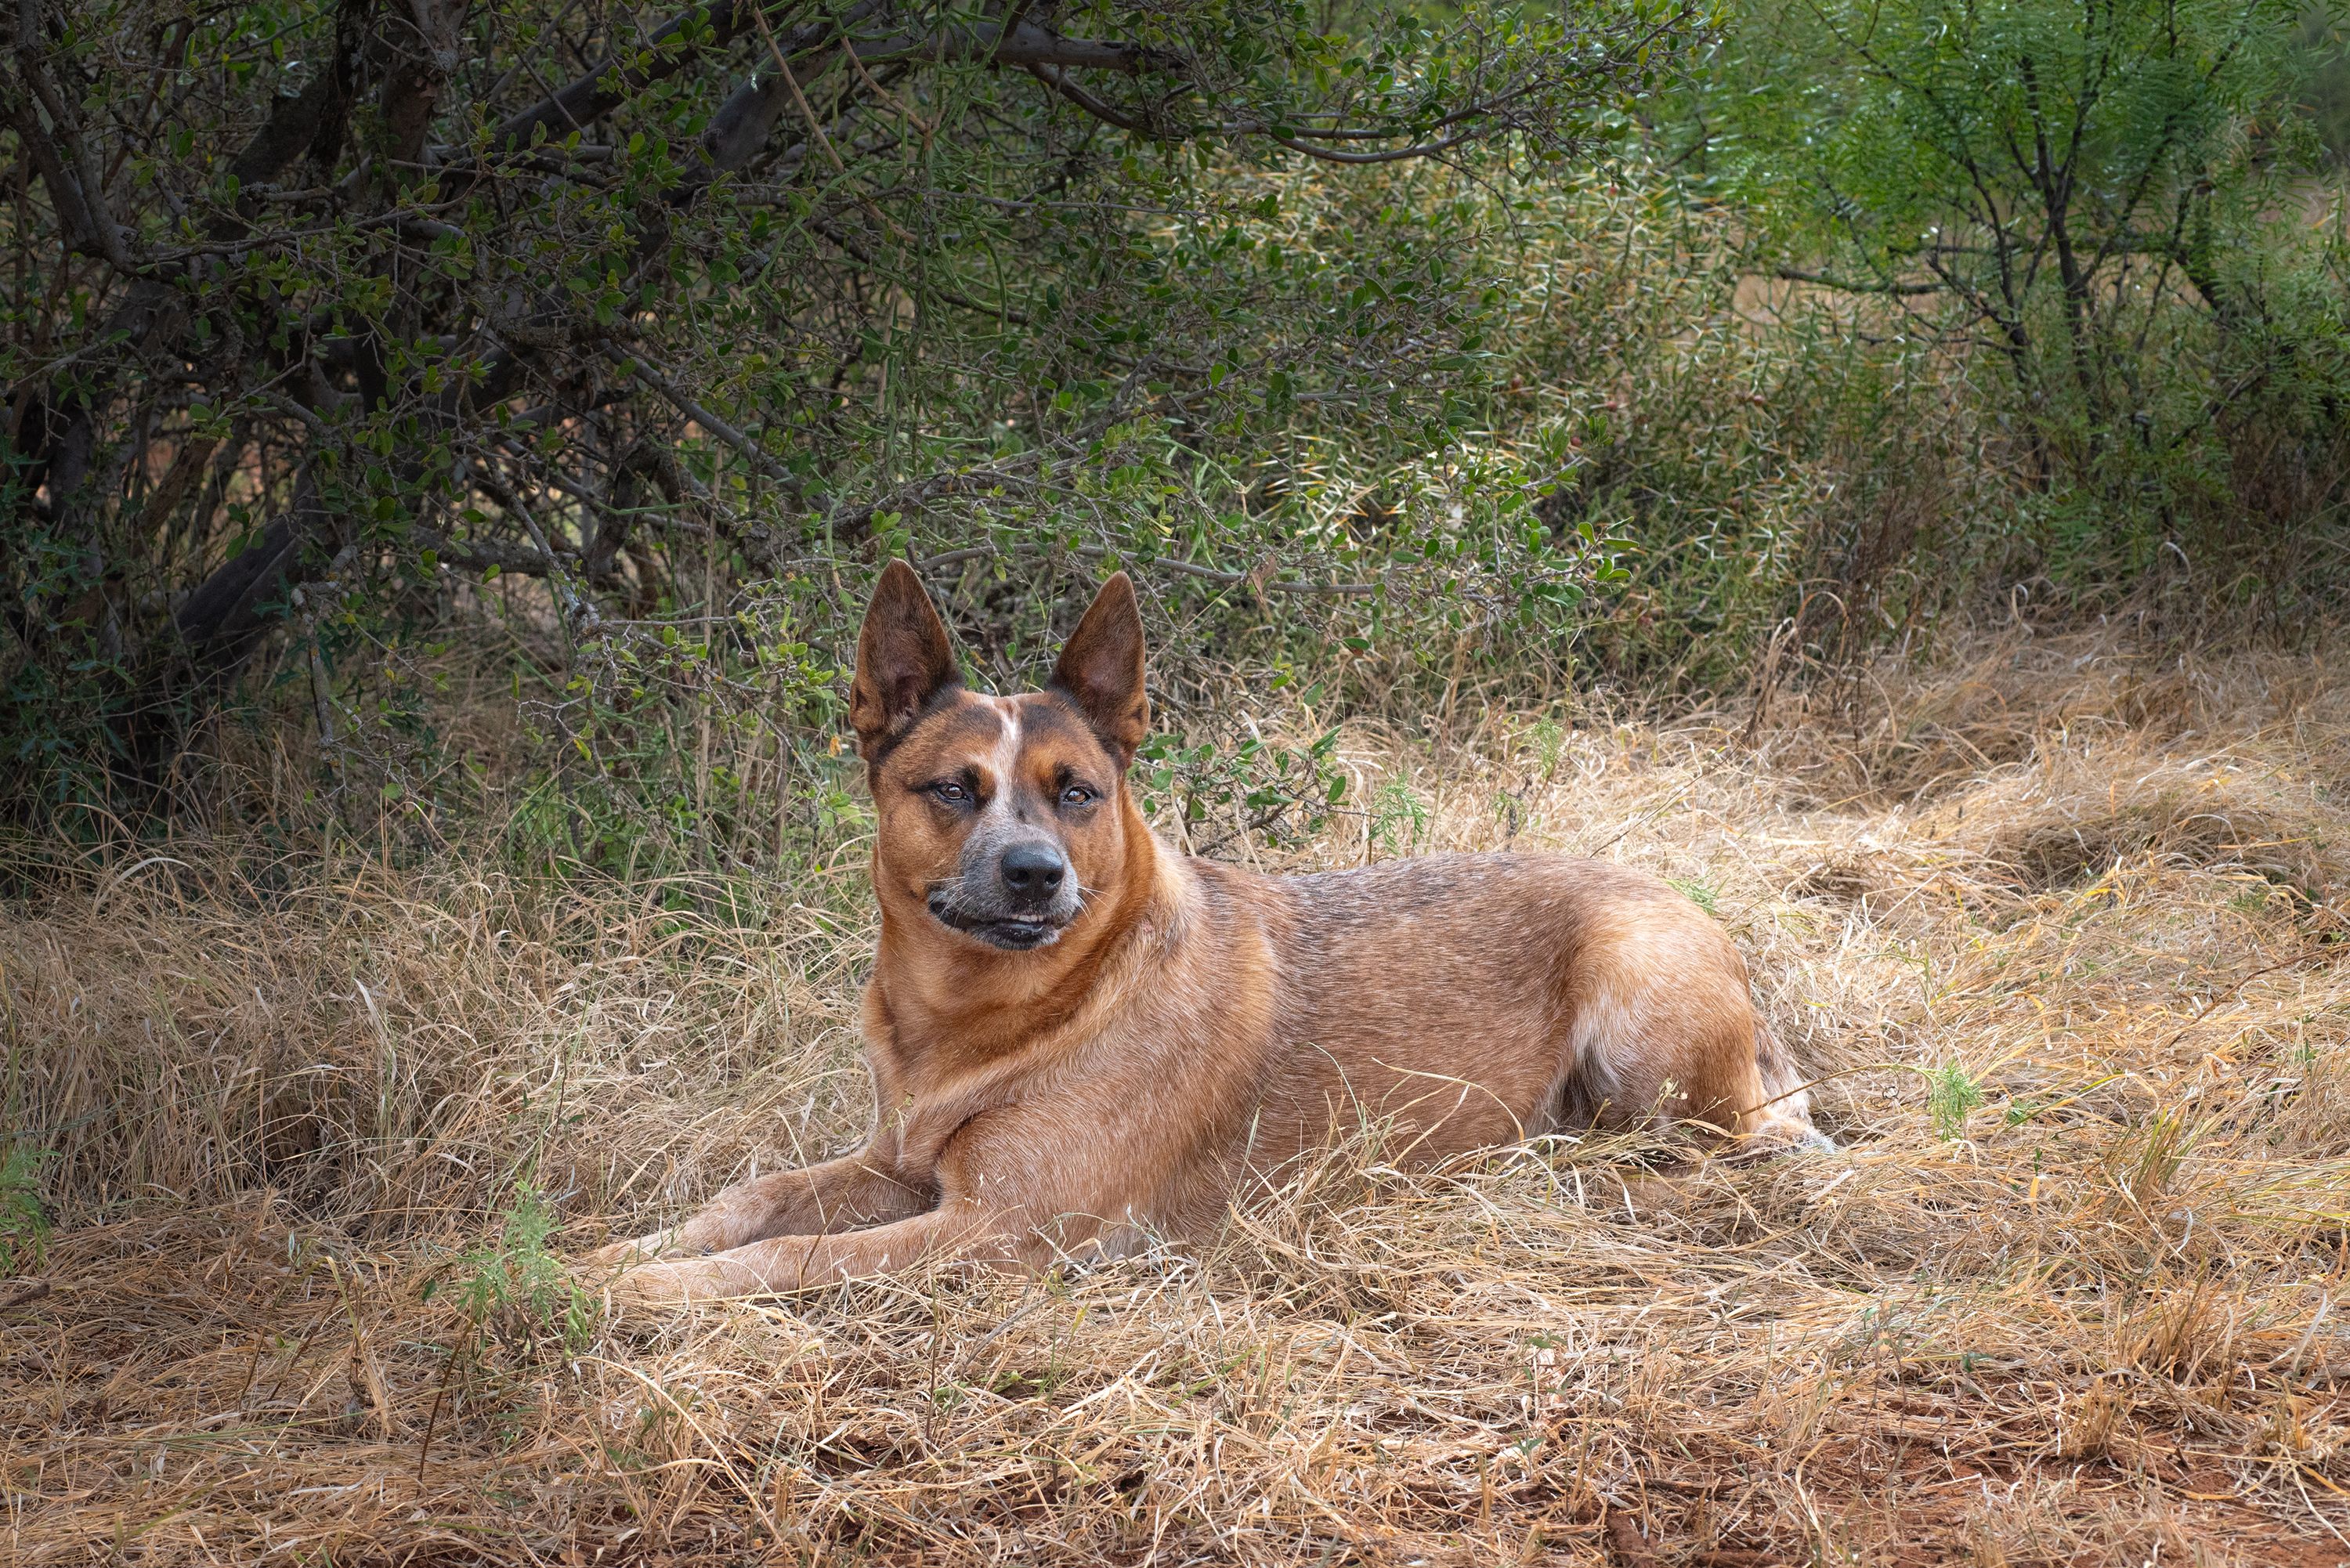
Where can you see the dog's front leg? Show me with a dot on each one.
(781, 1264)
(844, 1194)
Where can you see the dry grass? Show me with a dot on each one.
(2080, 915)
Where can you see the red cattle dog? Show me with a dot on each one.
(1084, 1043)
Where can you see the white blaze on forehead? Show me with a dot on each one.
(1005, 758)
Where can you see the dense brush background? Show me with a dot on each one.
(1884, 467)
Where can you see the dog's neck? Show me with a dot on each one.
(948, 1002)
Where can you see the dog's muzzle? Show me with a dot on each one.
(1015, 891)
(1013, 934)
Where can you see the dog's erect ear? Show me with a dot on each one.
(1101, 669)
(903, 659)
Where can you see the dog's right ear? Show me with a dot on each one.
(903, 660)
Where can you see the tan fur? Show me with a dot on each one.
(1194, 1029)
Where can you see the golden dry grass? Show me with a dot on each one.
(2102, 1321)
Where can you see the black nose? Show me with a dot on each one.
(1033, 872)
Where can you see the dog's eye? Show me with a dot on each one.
(951, 791)
(1076, 795)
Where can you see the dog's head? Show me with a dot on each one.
(1001, 815)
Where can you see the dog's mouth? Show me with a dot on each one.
(1013, 934)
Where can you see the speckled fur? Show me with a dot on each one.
(1195, 1029)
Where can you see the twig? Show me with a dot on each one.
(636, 365)
(30, 1291)
(1625, 1541)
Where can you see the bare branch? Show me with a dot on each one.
(1848, 286)
(644, 370)
(590, 96)
(578, 610)
(1058, 80)
(421, 40)
(1389, 155)
(64, 163)
(1023, 44)
(479, 553)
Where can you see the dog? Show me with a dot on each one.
(1084, 1043)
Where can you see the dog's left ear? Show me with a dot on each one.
(1101, 669)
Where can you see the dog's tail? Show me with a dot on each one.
(1785, 1113)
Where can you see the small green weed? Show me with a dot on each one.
(1549, 738)
(23, 1227)
(1949, 1096)
(1398, 819)
(1697, 893)
(518, 1290)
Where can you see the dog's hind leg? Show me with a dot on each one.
(845, 1194)
(1663, 1032)
(1785, 1113)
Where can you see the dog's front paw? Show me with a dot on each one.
(634, 1252)
(655, 1286)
